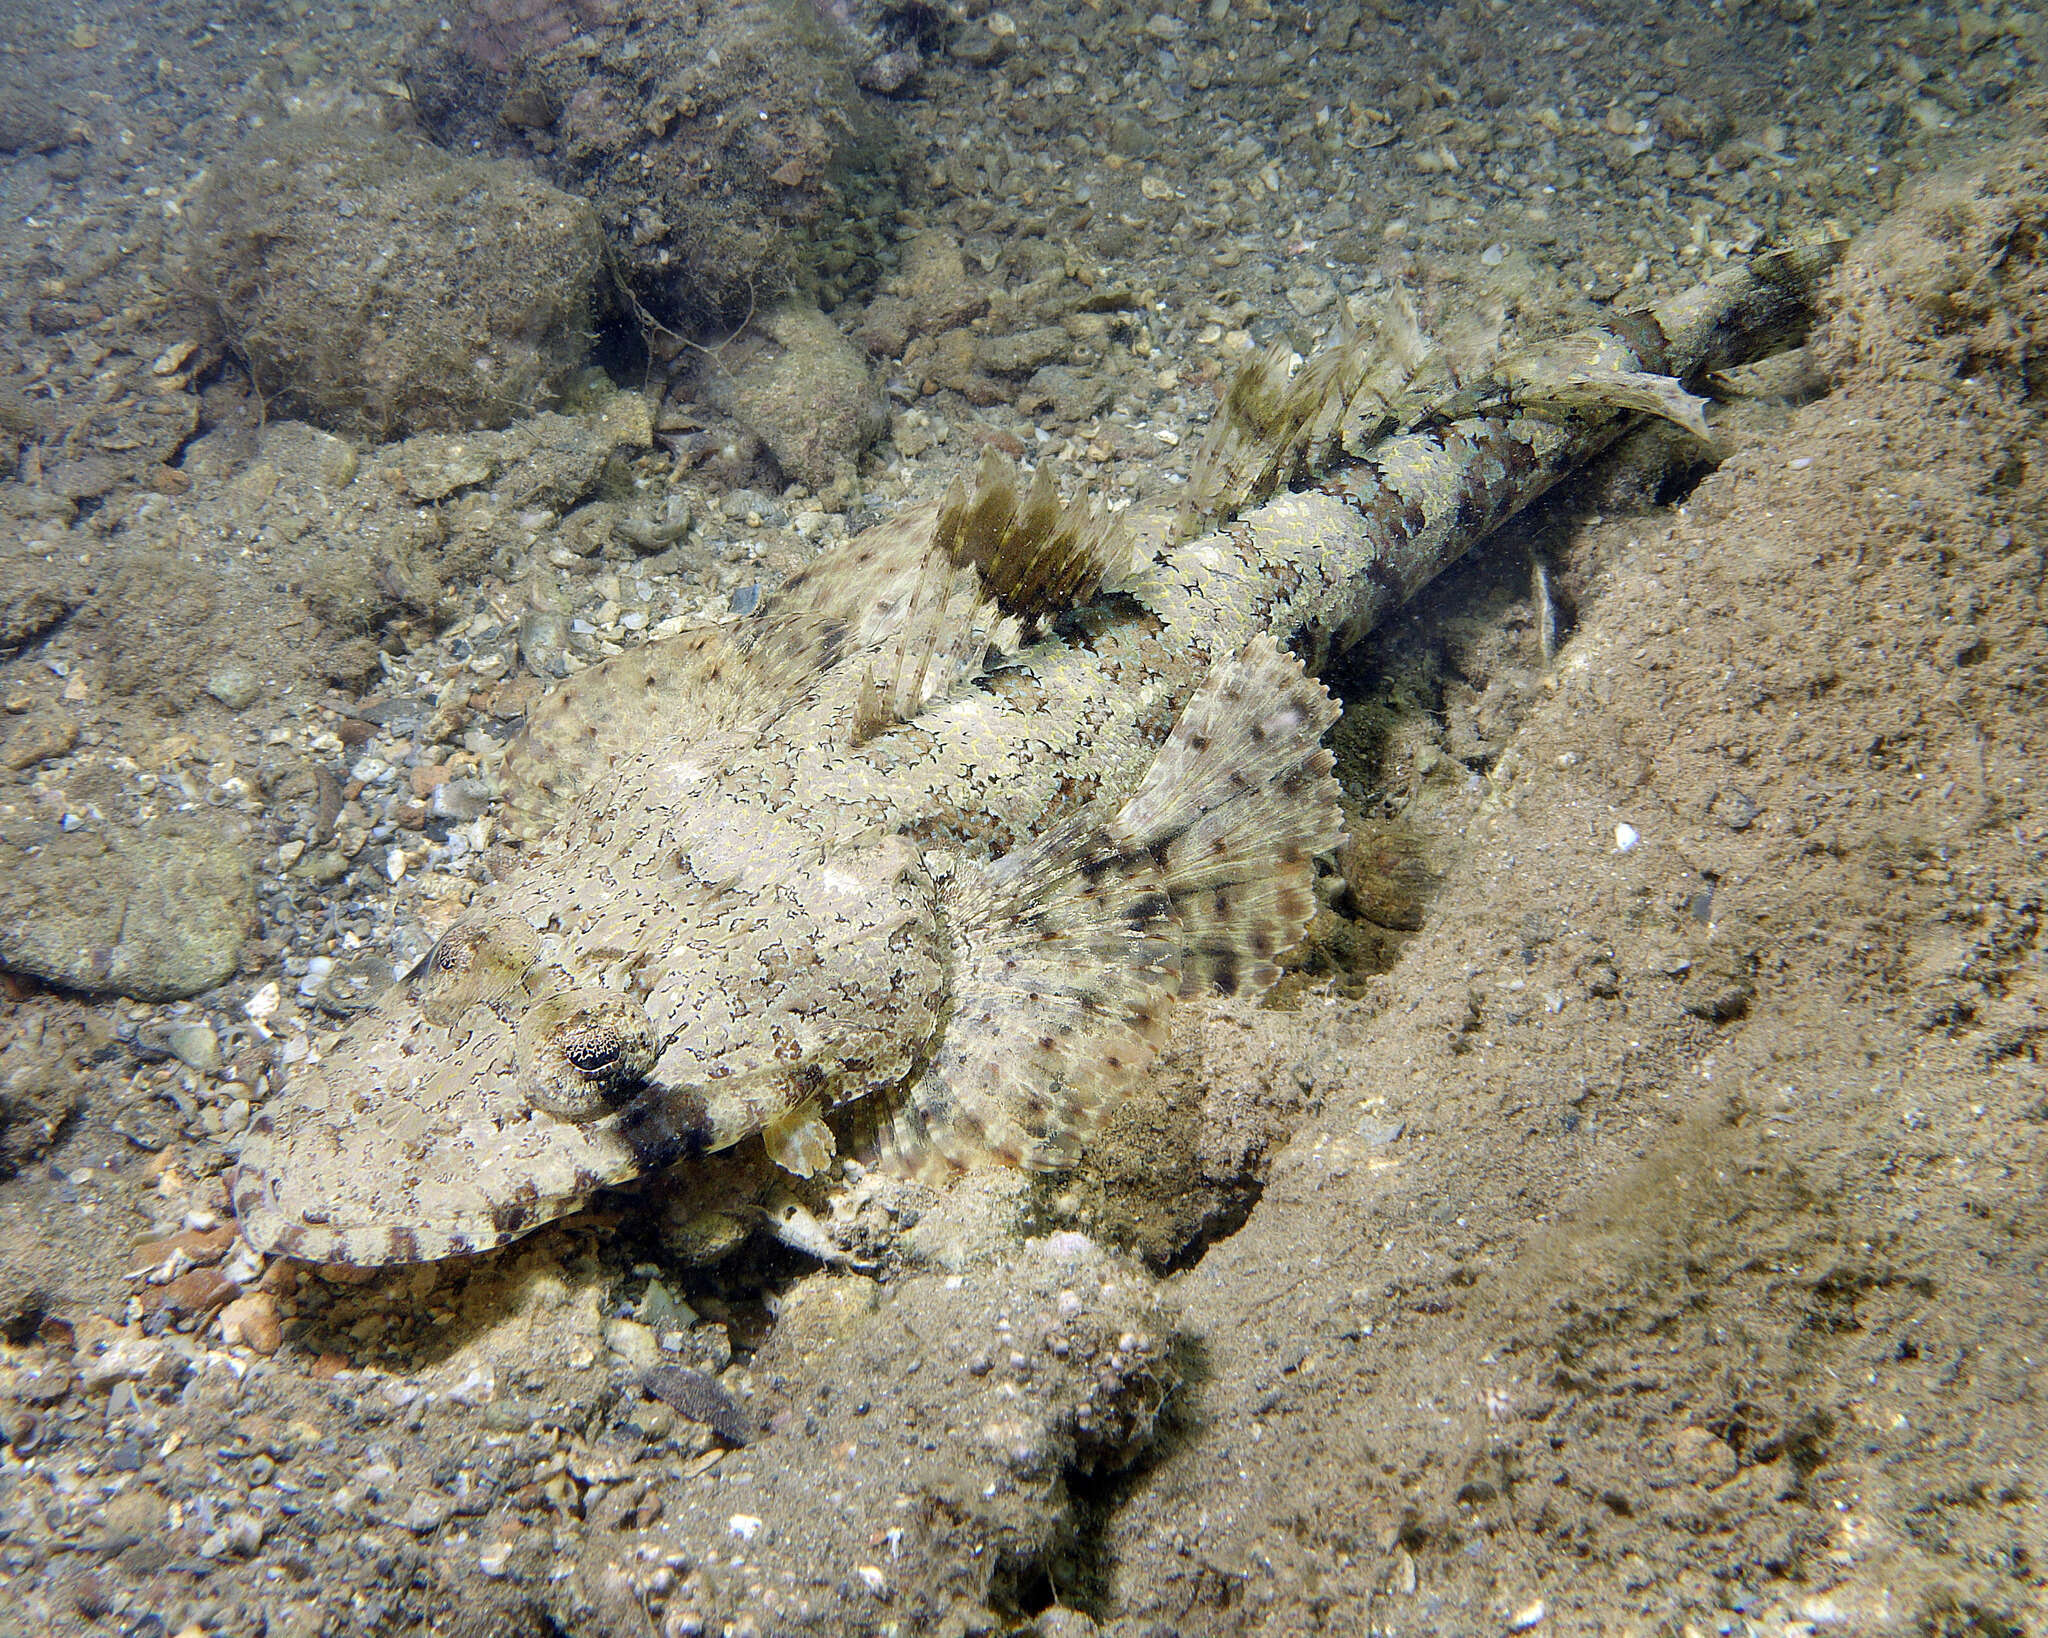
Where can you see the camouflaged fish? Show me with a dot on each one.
(922, 856)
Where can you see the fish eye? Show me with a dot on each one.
(584, 1053)
(479, 961)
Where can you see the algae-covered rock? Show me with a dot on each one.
(810, 397)
(378, 286)
(730, 154)
(156, 917)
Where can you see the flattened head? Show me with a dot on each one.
(514, 1072)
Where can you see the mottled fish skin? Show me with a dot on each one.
(889, 844)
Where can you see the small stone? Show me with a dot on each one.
(38, 741)
(458, 801)
(428, 1513)
(130, 1357)
(194, 1044)
(632, 1342)
(1734, 809)
(253, 1322)
(200, 1291)
(244, 1534)
(891, 71)
(235, 686)
(1703, 1458)
(980, 45)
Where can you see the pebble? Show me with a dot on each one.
(1703, 1458)
(194, 1044)
(458, 801)
(38, 741)
(253, 1322)
(235, 686)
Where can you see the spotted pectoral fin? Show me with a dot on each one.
(800, 1142)
(1064, 968)
(1070, 953)
(1233, 810)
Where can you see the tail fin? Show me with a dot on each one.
(1069, 954)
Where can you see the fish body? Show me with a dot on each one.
(924, 854)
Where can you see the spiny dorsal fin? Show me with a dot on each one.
(1070, 952)
(1038, 557)
(943, 640)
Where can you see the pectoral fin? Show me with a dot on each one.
(1069, 954)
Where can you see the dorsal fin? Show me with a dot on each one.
(1037, 556)
(921, 597)
(1273, 428)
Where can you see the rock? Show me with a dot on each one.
(1703, 1458)
(632, 1343)
(199, 1292)
(235, 686)
(725, 147)
(31, 1274)
(458, 801)
(30, 121)
(253, 1322)
(42, 1085)
(986, 43)
(891, 72)
(379, 286)
(39, 586)
(296, 450)
(936, 285)
(813, 403)
(194, 1044)
(157, 917)
(38, 740)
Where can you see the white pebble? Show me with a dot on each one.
(1528, 1616)
(1625, 837)
(744, 1525)
(263, 1003)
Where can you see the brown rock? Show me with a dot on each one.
(1703, 1458)
(199, 1292)
(38, 741)
(204, 1247)
(253, 1322)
